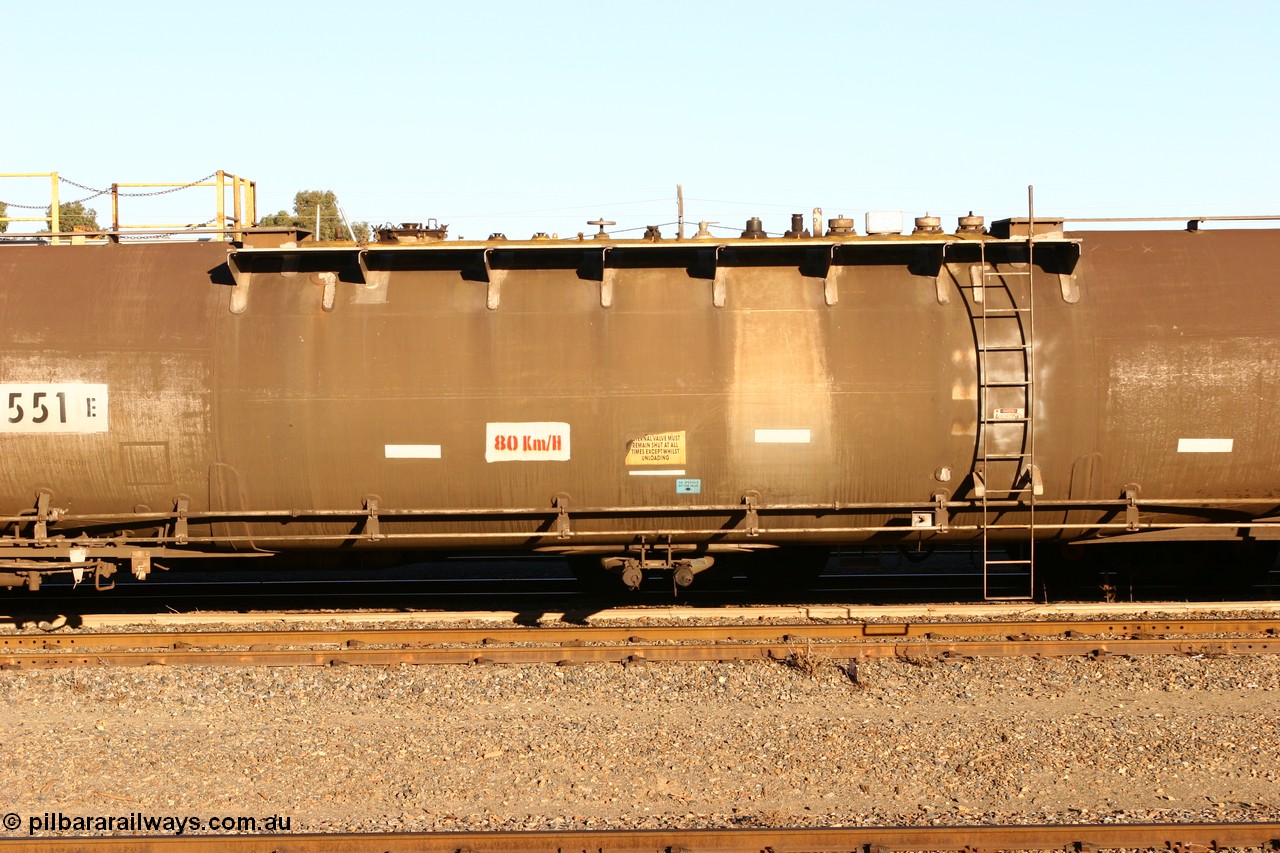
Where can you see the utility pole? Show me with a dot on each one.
(680, 211)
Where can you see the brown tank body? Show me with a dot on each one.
(651, 403)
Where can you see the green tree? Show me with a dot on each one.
(4, 211)
(73, 215)
(306, 205)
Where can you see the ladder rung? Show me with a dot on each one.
(1002, 312)
(1005, 348)
(990, 421)
(1006, 457)
(1003, 274)
(1008, 562)
(1005, 383)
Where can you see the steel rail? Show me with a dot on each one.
(787, 632)
(635, 645)
(640, 653)
(1174, 837)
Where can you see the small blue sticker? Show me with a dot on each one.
(688, 487)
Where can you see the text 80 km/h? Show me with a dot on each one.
(540, 441)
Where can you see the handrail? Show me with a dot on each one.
(243, 207)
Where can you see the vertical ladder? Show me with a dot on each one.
(1005, 474)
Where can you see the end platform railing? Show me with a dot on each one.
(235, 208)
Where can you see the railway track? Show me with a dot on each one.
(638, 644)
(1177, 838)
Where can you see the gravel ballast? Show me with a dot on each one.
(659, 745)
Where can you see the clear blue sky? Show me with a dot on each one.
(522, 117)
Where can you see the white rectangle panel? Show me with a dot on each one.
(1205, 445)
(413, 451)
(784, 436)
(884, 222)
(660, 472)
(50, 407)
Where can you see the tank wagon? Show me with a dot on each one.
(636, 405)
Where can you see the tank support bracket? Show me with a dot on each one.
(1070, 290)
(941, 287)
(181, 504)
(563, 528)
(1031, 475)
(374, 282)
(1131, 518)
(607, 275)
(751, 500)
(941, 518)
(830, 290)
(41, 529)
(372, 527)
(979, 481)
(977, 280)
(494, 276)
(329, 293)
(719, 281)
(239, 300)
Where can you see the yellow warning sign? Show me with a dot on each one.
(656, 448)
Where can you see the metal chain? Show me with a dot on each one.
(60, 203)
(97, 192)
(171, 189)
(81, 186)
(136, 195)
